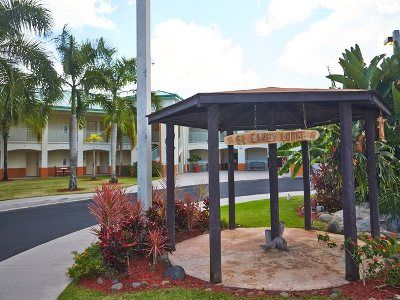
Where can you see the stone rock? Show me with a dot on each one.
(155, 285)
(334, 296)
(336, 291)
(277, 243)
(117, 286)
(334, 227)
(114, 281)
(371, 298)
(284, 294)
(136, 285)
(144, 284)
(396, 297)
(175, 273)
(208, 289)
(100, 280)
(166, 263)
(325, 218)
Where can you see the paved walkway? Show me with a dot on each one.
(307, 264)
(185, 179)
(39, 273)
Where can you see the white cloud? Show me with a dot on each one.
(281, 13)
(190, 58)
(80, 13)
(365, 22)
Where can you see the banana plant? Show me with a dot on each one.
(382, 75)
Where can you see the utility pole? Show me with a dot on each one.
(143, 103)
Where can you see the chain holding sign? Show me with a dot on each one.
(271, 137)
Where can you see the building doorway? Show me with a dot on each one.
(32, 164)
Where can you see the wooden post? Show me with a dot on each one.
(214, 194)
(273, 178)
(372, 173)
(231, 184)
(170, 137)
(306, 185)
(348, 193)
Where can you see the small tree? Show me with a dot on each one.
(94, 138)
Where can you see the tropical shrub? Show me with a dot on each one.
(110, 206)
(126, 231)
(192, 211)
(115, 250)
(88, 264)
(374, 257)
(156, 245)
(326, 182)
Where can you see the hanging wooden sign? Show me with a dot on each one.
(271, 137)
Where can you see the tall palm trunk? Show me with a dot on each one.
(114, 128)
(5, 155)
(73, 144)
(121, 146)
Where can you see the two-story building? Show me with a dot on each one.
(28, 157)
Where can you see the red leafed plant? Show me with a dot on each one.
(110, 205)
(112, 209)
(115, 250)
(156, 245)
(192, 210)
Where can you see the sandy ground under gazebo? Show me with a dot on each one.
(308, 264)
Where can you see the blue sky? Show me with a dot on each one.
(211, 45)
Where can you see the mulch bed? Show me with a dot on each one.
(140, 272)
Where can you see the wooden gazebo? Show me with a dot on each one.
(272, 109)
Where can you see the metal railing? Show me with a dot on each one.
(202, 137)
(58, 136)
(22, 135)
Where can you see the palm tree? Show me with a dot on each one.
(112, 80)
(77, 60)
(29, 84)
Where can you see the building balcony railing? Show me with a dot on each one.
(22, 135)
(58, 136)
(202, 137)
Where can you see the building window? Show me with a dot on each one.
(64, 162)
(65, 128)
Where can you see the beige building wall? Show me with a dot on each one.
(56, 157)
(17, 159)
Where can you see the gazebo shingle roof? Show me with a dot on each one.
(321, 107)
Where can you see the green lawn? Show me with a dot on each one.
(78, 293)
(22, 188)
(256, 213)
